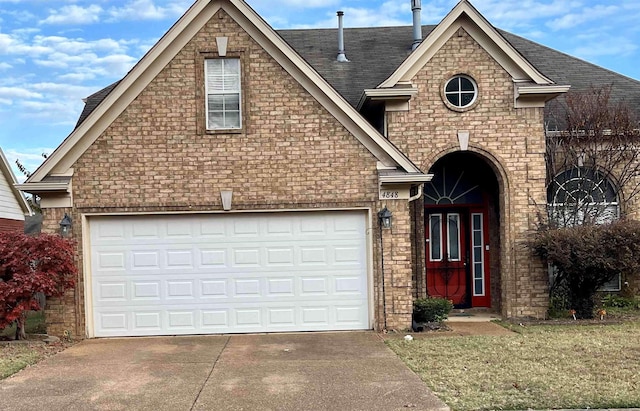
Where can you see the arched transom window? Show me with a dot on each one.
(582, 195)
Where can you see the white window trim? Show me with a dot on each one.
(615, 288)
(431, 238)
(208, 92)
(473, 255)
(459, 93)
(457, 216)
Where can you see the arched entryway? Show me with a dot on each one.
(462, 231)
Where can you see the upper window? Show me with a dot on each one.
(461, 91)
(222, 87)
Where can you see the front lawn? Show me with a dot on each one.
(539, 367)
(15, 356)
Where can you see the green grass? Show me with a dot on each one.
(35, 325)
(539, 367)
(15, 357)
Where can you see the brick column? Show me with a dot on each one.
(61, 312)
(396, 268)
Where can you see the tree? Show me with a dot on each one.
(31, 265)
(593, 174)
(594, 165)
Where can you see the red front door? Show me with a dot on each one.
(446, 255)
(457, 251)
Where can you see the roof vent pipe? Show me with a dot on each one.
(416, 8)
(342, 58)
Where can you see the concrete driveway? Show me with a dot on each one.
(307, 371)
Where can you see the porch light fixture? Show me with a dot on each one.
(65, 225)
(384, 216)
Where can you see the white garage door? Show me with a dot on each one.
(231, 273)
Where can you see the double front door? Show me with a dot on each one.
(457, 253)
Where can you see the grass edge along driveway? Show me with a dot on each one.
(539, 367)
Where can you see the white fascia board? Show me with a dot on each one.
(541, 90)
(405, 179)
(395, 93)
(63, 158)
(482, 31)
(536, 96)
(39, 187)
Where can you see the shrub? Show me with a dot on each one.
(617, 301)
(432, 309)
(587, 257)
(28, 266)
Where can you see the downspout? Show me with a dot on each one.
(417, 196)
(416, 8)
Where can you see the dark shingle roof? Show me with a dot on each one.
(579, 74)
(375, 52)
(93, 100)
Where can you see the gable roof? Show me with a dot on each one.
(465, 16)
(10, 178)
(120, 95)
(366, 45)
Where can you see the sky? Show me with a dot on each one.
(54, 53)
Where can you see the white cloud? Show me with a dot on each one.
(571, 20)
(390, 13)
(74, 15)
(603, 45)
(5, 66)
(309, 3)
(8, 93)
(148, 10)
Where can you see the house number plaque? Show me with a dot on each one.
(394, 193)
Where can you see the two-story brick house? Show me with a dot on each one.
(234, 179)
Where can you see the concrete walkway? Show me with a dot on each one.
(307, 371)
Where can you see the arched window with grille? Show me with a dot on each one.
(583, 195)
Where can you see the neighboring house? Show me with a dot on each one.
(232, 181)
(13, 205)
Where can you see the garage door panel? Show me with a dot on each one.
(165, 275)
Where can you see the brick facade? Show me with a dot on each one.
(510, 140)
(11, 225)
(291, 153)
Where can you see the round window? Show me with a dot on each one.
(461, 91)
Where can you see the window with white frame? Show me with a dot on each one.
(461, 91)
(581, 195)
(223, 91)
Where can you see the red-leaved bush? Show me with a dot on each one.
(30, 265)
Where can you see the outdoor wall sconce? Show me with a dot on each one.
(65, 225)
(226, 199)
(384, 216)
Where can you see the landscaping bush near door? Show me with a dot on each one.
(586, 257)
(431, 309)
